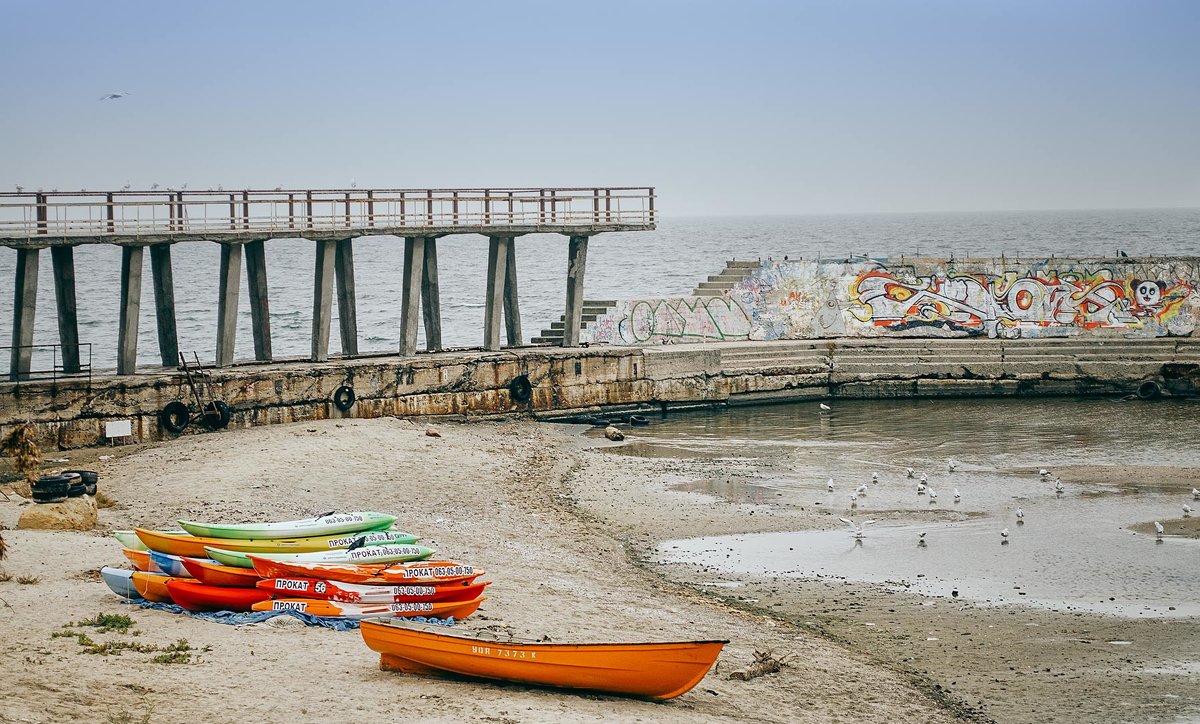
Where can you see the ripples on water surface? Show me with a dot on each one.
(670, 261)
(1074, 550)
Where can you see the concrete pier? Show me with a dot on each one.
(576, 264)
(600, 380)
(331, 218)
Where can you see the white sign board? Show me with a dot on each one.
(119, 428)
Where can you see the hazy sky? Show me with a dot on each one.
(728, 108)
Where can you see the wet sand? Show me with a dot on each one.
(1007, 663)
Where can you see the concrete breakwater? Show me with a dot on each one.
(580, 382)
(1119, 297)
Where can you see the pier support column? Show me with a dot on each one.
(63, 258)
(430, 297)
(24, 304)
(494, 302)
(227, 303)
(131, 305)
(347, 312)
(512, 310)
(260, 309)
(164, 304)
(414, 261)
(322, 300)
(576, 263)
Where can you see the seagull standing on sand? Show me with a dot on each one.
(829, 484)
(874, 477)
(855, 529)
(825, 407)
(920, 488)
(1187, 511)
(957, 496)
(1004, 537)
(932, 496)
(862, 490)
(853, 501)
(908, 472)
(1058, 487)
(1020, 517)
(1158, 531)
(921, 539)
(1044, 473)
(1195, 492)
(924, 478)
(950, 464)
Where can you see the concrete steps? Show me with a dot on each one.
(734, 272)
(592, 310)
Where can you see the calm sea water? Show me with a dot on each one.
(670, 261)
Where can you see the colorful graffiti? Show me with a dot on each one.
(675, 320)
(1009, 304)
(863, 298)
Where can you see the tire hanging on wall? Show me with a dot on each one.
(174, 417)
(520, 389)
(1148, 390)
(216, 415)
(343, 398)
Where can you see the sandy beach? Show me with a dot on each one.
(507, 496)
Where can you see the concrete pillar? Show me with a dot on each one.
(260, 308)
(131, 305)
(414, 261)
(322, 300)
(494, 302)
(164, 304)
(24, 304)
(512, 311)
(576, 263)
(63, 258)
(430, 296)
(227, 302)
(347, 310)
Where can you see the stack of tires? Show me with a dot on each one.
(68, 484)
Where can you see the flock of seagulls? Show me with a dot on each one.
(924, 489)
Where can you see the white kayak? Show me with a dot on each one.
(385, 553)
(328, 524)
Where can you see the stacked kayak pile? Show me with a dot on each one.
(343, 565)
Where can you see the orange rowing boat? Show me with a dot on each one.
(652, 670)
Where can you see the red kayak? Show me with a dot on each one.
(201, 597)
(419, 573)
(215, 574)
(362, 593)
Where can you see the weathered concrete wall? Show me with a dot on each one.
(1008, 298)
(582, 381)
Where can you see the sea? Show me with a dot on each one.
(669, 261)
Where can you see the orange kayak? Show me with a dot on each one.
(425, 573)
(653, 670)
(200, 597)
(153, 586)
(139, 559)
(363, 593)
(184, 544)
(457, 609)
(215, 574)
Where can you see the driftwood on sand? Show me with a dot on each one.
(765, 663)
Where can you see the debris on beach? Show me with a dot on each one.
(614, 434)
(765, 663)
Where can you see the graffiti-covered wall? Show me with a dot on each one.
(997, 298)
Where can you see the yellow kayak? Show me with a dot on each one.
(193, 546)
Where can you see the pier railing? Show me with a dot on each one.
(96, 215)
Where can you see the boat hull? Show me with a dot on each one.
(337, 591)
(214, 574)
(152, 586)
(653, 670)
(196, 596)
(335, 524)
(120, 581)
(383, 553)
(457, 609)
(425, 573)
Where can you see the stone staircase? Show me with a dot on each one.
(733, 273)
(593, 309)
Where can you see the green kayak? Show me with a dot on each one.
(328, 524)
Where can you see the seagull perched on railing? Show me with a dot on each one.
(21, 189)
(114, 96)
(855, 528)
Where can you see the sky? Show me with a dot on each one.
(727, 108)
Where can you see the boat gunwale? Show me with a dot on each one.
(412, 627)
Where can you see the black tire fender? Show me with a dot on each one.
(174, 417)
(520, 389)
(1149, 390)
(343, 398)
(216, 415)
